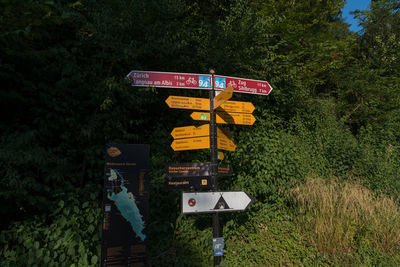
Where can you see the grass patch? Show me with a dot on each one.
(344, 218)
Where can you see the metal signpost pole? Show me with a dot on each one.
(214, 159)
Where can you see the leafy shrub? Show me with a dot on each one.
(69, 236)
(268, 240)
(378, 160)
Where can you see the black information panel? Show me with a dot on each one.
(195, 169)
(125, 205)
(189, 182)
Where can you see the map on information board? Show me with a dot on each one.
(125, 205)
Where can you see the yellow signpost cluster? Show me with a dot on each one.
(198, 137)
(215, 110)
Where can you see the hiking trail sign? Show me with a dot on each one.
(198, 131)
(202, 143)
(196, 103)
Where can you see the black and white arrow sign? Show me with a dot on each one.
(201, 202)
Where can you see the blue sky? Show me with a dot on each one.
(351, 6)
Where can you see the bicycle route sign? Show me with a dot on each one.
(197, 81)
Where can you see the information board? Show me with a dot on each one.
(125, 205)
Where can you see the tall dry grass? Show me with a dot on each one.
(338, 216)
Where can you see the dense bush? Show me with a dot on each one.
(68, 236)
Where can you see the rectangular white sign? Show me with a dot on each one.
(202, 202)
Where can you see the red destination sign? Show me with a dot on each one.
(197, 81)
(169, 79)
(248, 86)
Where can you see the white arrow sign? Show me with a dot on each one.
(225, 201)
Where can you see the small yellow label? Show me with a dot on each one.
(203, 181)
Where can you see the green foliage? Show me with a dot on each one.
(378, 160)
(268, 241)
(68, 236)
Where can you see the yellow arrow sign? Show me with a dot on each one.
(220, 155)
(191, 131)
(237, 106)
(223, 96)
(188, 102)
(191, 143)
(197, 131)
(225, 144)
(204, 104)
(226, 118)
(223, 133)
(202, 143)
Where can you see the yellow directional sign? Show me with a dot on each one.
(225, 133)
(197, 131)
(204, 104)
(223, 96)
(191, 131)
(225, 144)
(237, 106)
(191, 143)
(220, 155)
(188, 102)
(226, 118)
(202, 143)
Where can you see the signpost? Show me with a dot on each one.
(191, 131)
(193, 175)
(202, 143)
(185, 102)
(238, 107)
(189, 183)
(225, 144)
(197, 81)
(191, 143)
(169, 79)
(198, 131)
(216, 109)
(196, 169)
(226, 118)
(219, 201)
